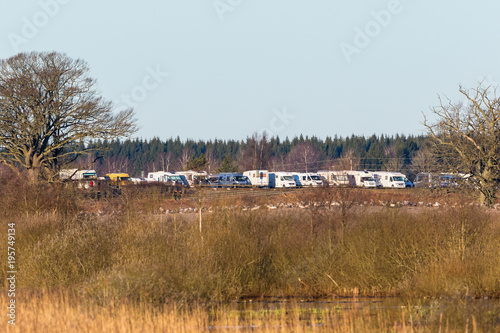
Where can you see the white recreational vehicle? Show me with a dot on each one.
(167, 177)
(363, 179)
(194, 177)
(391, 179)
(307, 179)
(281, 179)
(338, 178)
(258, 178)
(76, 174)
(158, 176)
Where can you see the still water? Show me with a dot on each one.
(367, 313)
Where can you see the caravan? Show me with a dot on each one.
(363, 179)
(194, 177)
(232, 179)
(338, 178)
(158, 176)
(259, 178)
(75, 174)
(391, 179)
(307, 179)
(170, 178)
(432, 180)
(281, 179)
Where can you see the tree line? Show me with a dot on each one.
(52, 117)
(301, 154)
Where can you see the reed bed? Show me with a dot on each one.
(58, 312)
(134, 269)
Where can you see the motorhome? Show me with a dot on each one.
(391, 179)
(363, 179)
(117, 179)
(75, 174)
(307, 179)
(158, 176)
(338, 178)
(281, 179)
(259, 178)
(175, 179)
(170, 178)
(431, 180)
(233, 179)
(194, 177)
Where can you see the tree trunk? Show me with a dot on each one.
(34, 166)
(488, 187)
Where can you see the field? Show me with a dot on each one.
(143, 261)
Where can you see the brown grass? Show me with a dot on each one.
(59, 312)
(138, 267)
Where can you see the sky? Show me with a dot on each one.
(227, 69)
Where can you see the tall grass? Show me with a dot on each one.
(238, 254)
(58, 312)
(134, 268)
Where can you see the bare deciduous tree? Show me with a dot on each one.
(212, 163)
(164, 161)
(467, 138)
(256, 154)
(304, 157)
(183, 160)
(393, 163)
(423, 161)
(113, 164)
(48, 104)
(348, 161)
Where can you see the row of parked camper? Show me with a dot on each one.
(340, 178)
(264, 178)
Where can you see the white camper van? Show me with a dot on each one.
(281, 179)
(391, 179)
(363, 179)
(307, 179)
(258, 178)
(338, 178)
(76, 174)
(158, 176)
(193, 177)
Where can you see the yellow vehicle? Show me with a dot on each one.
(117, 179)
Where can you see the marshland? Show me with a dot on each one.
(136, 263)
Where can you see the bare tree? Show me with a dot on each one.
(183, 160)
(304, 157)
(423, 161)
(48, 104)
(115, 164)
(393, 163)
(88, 161)
(277, 163)
(467, 138)
(212, 163)
(348, 161)
(256, 154)
(163, 161)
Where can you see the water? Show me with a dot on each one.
(393, 313)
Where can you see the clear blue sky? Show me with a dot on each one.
(229, 68)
